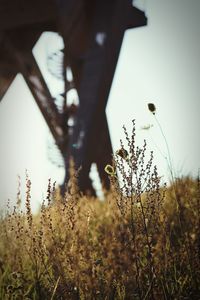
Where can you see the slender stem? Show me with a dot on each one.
(167, 146)
(157, 147)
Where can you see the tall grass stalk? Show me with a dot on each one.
(174, 180)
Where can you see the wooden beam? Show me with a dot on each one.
(5, 83)
(136, 18)
(17, 13)
(28, 67)
(91, 140)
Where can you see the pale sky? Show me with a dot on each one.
(158, 63)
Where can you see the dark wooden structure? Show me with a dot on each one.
(93, 32)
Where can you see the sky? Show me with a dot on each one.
(158, 63)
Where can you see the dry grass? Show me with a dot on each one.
(141, 242)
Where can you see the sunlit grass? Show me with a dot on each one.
(141, 242)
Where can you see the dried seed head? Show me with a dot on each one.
(123, 153)
(110, 170)
(147, 127)
(152, 108)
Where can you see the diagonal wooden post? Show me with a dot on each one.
(91, 141)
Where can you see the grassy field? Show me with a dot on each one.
(141, 242)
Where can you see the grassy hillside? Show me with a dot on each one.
(141, 242)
